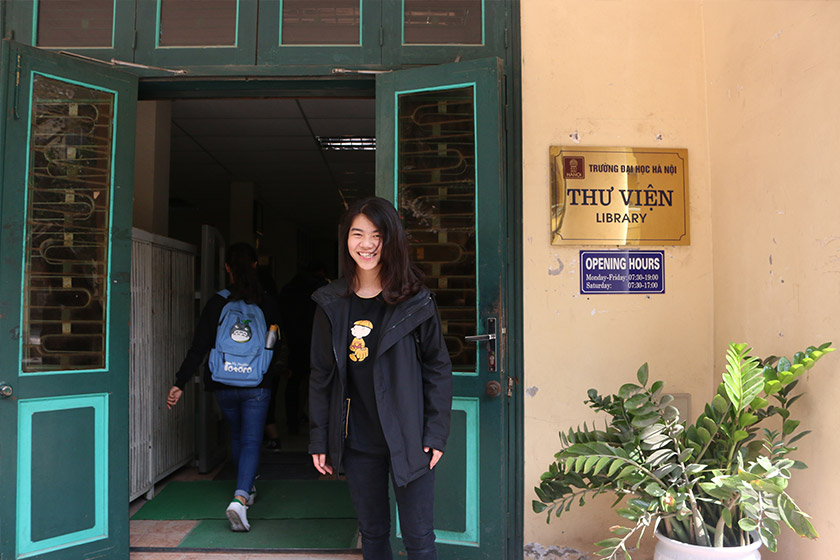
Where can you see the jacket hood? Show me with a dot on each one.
(325, 295)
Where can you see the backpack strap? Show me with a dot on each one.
(225, 294)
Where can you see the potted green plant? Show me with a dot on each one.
(719, 482)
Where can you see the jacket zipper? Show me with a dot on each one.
(347, 417)
(404, 319)
(346, 399)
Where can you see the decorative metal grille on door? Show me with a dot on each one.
(65, 297)
(437, 179)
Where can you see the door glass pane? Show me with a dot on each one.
(198, 23)
(436, 178)
(437, 22)
(67, 227)
(75, 23)
(321, 22)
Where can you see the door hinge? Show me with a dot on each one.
(381, 36)
(510, 387)
(507, 38)
(134, 42)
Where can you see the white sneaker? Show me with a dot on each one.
(238, 518)
(251, 496)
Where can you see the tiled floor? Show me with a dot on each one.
(168, 534)
(158, 535)
(153, 533)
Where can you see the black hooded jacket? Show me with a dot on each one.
(412, 379)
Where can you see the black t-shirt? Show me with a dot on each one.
(364, 431)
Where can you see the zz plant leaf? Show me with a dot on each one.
(712, 482)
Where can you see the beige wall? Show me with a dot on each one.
(750, 88)
(773, 87)
(151, 166)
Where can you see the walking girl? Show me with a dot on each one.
(380, 389)
(233, 327)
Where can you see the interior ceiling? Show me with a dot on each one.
(271, 143)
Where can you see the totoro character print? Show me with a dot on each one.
(241, 331)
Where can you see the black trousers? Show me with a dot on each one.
(367, 478)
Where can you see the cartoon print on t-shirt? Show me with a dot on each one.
(358, 349)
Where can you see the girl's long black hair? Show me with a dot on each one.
(241, 258)
(400, 277)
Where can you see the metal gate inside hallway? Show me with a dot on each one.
(162, 315)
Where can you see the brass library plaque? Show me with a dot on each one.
(619, 196)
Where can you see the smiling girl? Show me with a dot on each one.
(381, 384)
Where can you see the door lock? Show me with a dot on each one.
(493, 389)
(5, 390)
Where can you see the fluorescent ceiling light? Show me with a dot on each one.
(353, 143)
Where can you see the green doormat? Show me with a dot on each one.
(276, 499)
(274, 533)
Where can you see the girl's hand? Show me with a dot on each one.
(436, 455)
(320, 462)
(173, 397)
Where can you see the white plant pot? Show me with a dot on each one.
(669, 549)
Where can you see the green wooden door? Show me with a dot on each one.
(439, 156)
(67, 169)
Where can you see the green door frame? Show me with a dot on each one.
(514, 283)
(257, 50)
(363, 86)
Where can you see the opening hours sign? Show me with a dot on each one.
(622, 272)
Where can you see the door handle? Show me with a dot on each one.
(480, 337)
(490, 339)
(6, 391)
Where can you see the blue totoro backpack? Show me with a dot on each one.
(239, 357)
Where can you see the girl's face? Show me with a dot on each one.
(364, 243)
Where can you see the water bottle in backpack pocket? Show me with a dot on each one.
(239, 357)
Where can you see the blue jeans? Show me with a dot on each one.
(245, 410)
(367, 479)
